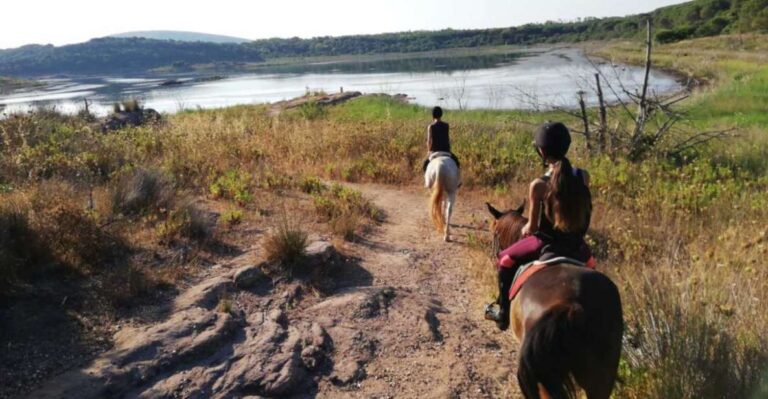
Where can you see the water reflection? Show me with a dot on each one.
(520, 80)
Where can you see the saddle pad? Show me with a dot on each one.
(526, 271)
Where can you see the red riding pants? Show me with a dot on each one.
(523, 251)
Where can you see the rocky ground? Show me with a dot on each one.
(396, 313)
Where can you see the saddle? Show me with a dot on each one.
(439, 154)
(526, 271)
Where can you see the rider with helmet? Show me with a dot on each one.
(438, 139)
(558, 219)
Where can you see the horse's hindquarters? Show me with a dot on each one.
(442, 177)
(578, 309)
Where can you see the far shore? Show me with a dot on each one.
(9, 85)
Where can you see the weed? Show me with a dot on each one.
(234, 185)
(312, 185)
(225, 305)
(346, 226)
(286, 247)
(232, 217)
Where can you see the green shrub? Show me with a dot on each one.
(312, 185)
(233, 185)
(311, 110)
(675, 35)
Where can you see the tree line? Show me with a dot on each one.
(678, 22)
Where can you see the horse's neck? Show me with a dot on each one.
(512, 230)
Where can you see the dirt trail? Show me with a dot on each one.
(465, 356)
(396, 313)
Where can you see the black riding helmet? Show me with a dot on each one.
(553, 139)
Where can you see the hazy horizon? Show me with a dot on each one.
(78, 21)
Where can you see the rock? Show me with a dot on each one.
(347, 373)
(119, 120)
(361, 303)
(317, 342)
(206, 294)
(320, 251)
(171, 82)
(291, 295)
(374, 303)
(248, 276)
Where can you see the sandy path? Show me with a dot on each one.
(465, 356)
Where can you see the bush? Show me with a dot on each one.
(311, 110)
(20, 248)
(70, 231)
(312, 185)
(673, 350)
(185, 222)
(234, 185)
(346, 226)
(675, 35)
(142, 191)
(74, 237)
(343, 208)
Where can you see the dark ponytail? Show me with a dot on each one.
(569, 203)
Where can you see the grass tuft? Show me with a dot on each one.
(286, 247)
(142, 191)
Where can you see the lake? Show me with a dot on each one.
(519, 79)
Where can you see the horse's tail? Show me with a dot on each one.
(551, 351)
(436, 211)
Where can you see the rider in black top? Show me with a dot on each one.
(438, 138)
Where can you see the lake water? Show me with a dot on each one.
(515, 80)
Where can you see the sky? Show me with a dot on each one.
(72, 21)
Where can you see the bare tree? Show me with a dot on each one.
(652, 124)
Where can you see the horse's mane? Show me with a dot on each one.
(508, 228)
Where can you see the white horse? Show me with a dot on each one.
(442, 176)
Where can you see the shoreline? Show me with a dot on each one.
(539, 57)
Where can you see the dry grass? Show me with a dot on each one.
(141, 191)
(285, 247)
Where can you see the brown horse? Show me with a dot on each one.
(569, 322)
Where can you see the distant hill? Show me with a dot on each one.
(126, 55)
(672, 23)
(181, 36)
(106, 55)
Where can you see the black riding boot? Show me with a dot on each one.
(501, 317)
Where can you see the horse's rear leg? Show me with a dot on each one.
(599, 387)
(448, 211)
(597, 375)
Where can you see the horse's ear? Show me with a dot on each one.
(495, 212)
(521, 208)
